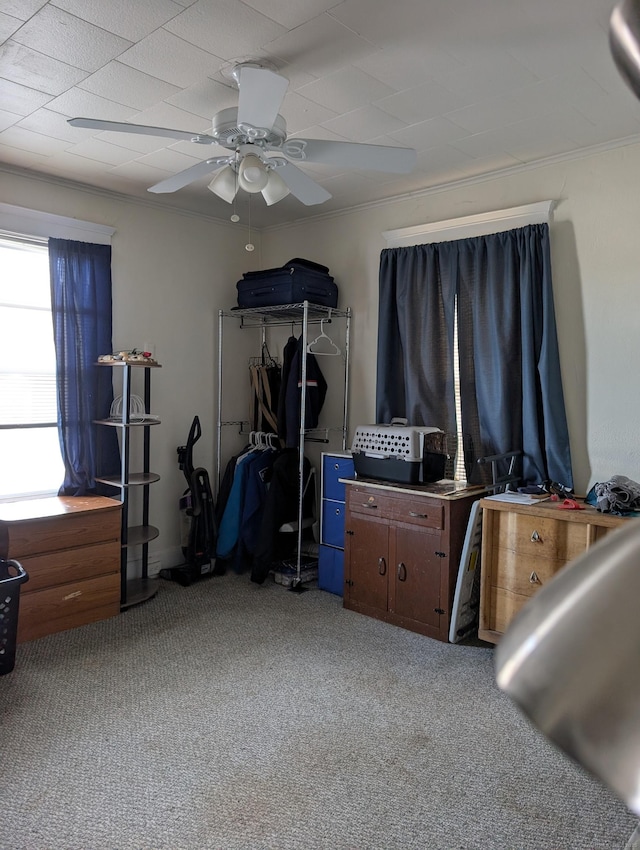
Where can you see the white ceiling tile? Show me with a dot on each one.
(362, 125)
(427, 134)
(8, 25)
(54, 32)
(20, 99)
(78, 102)
(196, 151)
(346, 89)
(171, 160)
(22, 9)
(421, 102)
(321, 132)
(477, 167)
(135, 143)
(34, 70)
(527, 148)
(388, 24)
(560, 50)
(498, 74)
(171, 59)
(53, 124)
(10, 155)
(205, 98)
(300, 112)
(27, 141)
(8, 119)
(127, 85)
(79, 169)
(132, 21)
(441, 158)
(143, 175)
(322, 45)
(101, 151)
(226, 28)
(166, 115)
(290, 14)
(406, 66)
(494, 112)
(479, 145)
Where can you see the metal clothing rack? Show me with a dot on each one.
(305, 314)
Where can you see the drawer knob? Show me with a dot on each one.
(402, 572)
(420, 516)
(369, 505)
(382, 566)
(337, 511)
(535, 537)
(533, 578)
(336, 466)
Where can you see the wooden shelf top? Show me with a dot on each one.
(32, 509)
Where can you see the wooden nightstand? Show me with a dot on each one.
(523, 547)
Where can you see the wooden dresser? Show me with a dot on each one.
(70, 548)
(402, 551)
(523, 547)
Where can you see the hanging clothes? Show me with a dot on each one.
(316, 391)
(288, 354)
(281, 505)
(265, 382)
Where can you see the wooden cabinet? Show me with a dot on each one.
(523, 547)
(402, 551)
(70, 548)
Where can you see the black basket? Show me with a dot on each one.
(12, 575)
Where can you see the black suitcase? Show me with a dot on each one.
(298, 280)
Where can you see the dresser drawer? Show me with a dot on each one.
(63, 532)
(67, 606)
(418, 511)
(368, 501)
(70, 565)
(540, 536)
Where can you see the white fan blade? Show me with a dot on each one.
(261, 95)
(183, 178)
(302, 186)
(352, 155)
(140, 129)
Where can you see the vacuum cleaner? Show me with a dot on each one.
(199, 532)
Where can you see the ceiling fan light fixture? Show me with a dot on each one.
(276, 189)
(252, 176)
(224, 184)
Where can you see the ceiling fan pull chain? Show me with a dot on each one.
(249, 246)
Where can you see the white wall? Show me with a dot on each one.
(596, 267)
(172, 273)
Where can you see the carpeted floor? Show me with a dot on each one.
(241, 717)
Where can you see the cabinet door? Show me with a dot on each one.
(415, 579)
(367, 562)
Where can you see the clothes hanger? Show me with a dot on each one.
(322, 336)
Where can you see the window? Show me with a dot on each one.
(31, 461)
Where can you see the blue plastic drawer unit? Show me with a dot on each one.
(331, 559)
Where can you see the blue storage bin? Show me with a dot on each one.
(335, 467)
(331, 570)
(333, 523)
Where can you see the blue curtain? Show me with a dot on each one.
(510, 382)
(81, 307)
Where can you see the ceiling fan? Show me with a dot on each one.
(262, 158)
